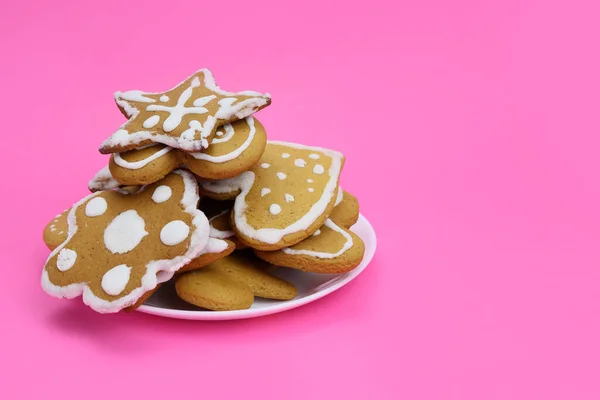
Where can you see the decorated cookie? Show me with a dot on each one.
(185, 117)
(219, 218)
(56, 231)
(235, 149)
(231, 284)
(284, 198)
(103, 180)
(331, 249)
(120, 245)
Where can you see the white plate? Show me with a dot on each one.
(310, 288)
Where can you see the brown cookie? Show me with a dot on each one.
(346, 210)
(56, 231)
(218, 214)
(231, 284)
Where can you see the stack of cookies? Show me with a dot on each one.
(195, 193)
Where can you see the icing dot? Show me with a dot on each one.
(220, 133)
(151, 122)
(309, 181)
(52, 229)
(317, 233)
(174, 232)
(318, 169)
(281, 175)
(285, 155)
(289, 198)
(96, 206)
(265, 165)
(66, 259)
(164, 98)
(274, 209)
(115, 280)
(314, 156)
(60, 233)
(162, 194)
(124, 232)
(300, 163)
(264, 192)
(311, 190)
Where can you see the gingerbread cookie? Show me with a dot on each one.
(284, 198)
(185, 117)
(103, 180)
(235, 149)
(331, 249)
(56, 231)
(120, 245)
(231, 284)
(218, 214)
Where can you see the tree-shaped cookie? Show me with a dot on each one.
(121, 244)
(184, 117)
(236, 148)
(284, 198)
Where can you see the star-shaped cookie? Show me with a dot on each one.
(185, 117)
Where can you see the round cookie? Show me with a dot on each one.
(284, 198)
(121, 245)
(331, 249)
(235, 149)
(185, 117)
(231, 284)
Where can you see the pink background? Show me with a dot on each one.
(471, 135)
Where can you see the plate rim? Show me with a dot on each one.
(206, 315)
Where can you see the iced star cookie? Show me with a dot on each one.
(121, 245)
(185, 117)
(332, 249)
(284, 198)
(235, 149)
(103, 180)
(231, 284)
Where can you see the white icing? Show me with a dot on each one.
(318, 169)
(275, 209)
(156, 271)
(319, 254)
(164, 98)
(300, 163)
(116, 279)
(95, 207)
(125, 232)
(311, 190)
(66, 259)
(135, 95)
(174, 233)
(281, 175)
(162, 194)
(309, 181)
(317, 233)
(314, 156)
(121, 162)
(151, 122)
(215, 246)
(224, 137)
(289, 198)
(265, 165)
(264, 192)
(233, 154)
(103, 180)
(215, 233)
(285, 155)
(244, 182)
(340, 197)
(52, 228)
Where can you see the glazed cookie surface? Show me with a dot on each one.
(120, 244)
(331, 249)
(236, 148)
(232, 283)
(284, 198)
(184, 117)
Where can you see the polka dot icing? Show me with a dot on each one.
(124, 232)
(311, 190)
(300, 163)
(285, 155)
(289, 198)
(174, 233)
(265, 165)
(318, 169)
(151, 122)
(314, 156)
(95, 207)
(317, 233)
(275, 209)
(264, 192)
(116, 279)
(164, 98)
(66, 259)
(281, 175)
(309, 181)
(162, 194)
